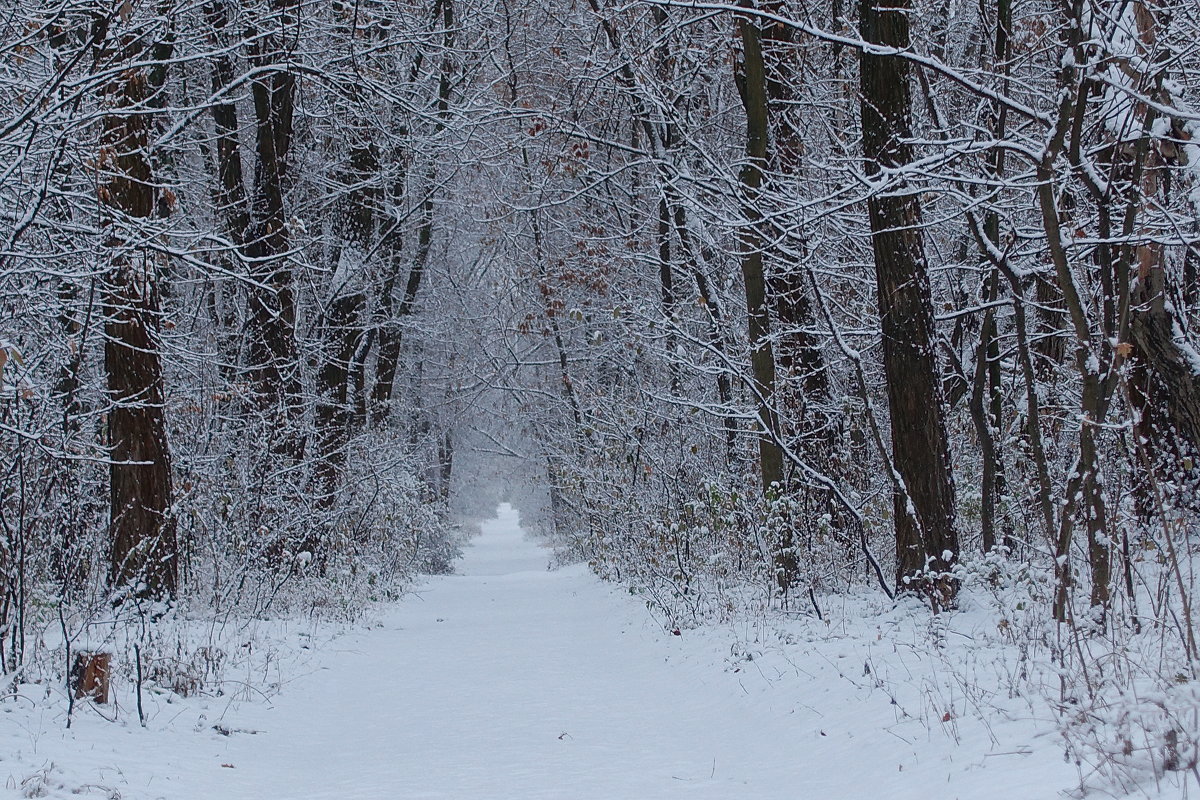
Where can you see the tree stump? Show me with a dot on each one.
(90, 676)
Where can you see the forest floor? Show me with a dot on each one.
(512, 680)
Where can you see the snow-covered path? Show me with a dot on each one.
(507, 680)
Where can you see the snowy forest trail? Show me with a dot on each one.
(512, 680)
(508, 680)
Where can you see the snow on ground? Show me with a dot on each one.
(511, 680)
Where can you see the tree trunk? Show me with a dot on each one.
(804, 388)
(273, 368)
(144, 557)
(229, 194)
(926, 539)
(1164, 361)
(752, 85)
(666, 283)
(344, 339)
(341, 332)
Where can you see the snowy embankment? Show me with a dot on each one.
(509, 680)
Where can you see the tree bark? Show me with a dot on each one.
(926, 538)
(804, 388)
(390, 334)
(273, 368)
(752, 85)
(144, 556)
(229, 195)
(343, 335)
(1165, 365)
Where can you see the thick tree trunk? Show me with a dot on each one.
(342, 332)
(231, 183)
(1173, 385)
(1166, 365)
(926, 538)
(144, 556)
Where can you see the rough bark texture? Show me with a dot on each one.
(144, 550)
(90, 676)
(334, 410)
(1174, 383)
(1166, 368)
(924, 507)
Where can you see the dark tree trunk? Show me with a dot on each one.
(144, 556)
(363, 206)
(1085, 484)
(342, 329)
(231, 183)
(273, 369)
(798, 384)
(1165, 386)
(804, 389)
(68, 565)
(752, 84)
(1050, 344)
(926, 539)
(445, 465)
(1172, 387)
(666, 283)
(229, 194)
